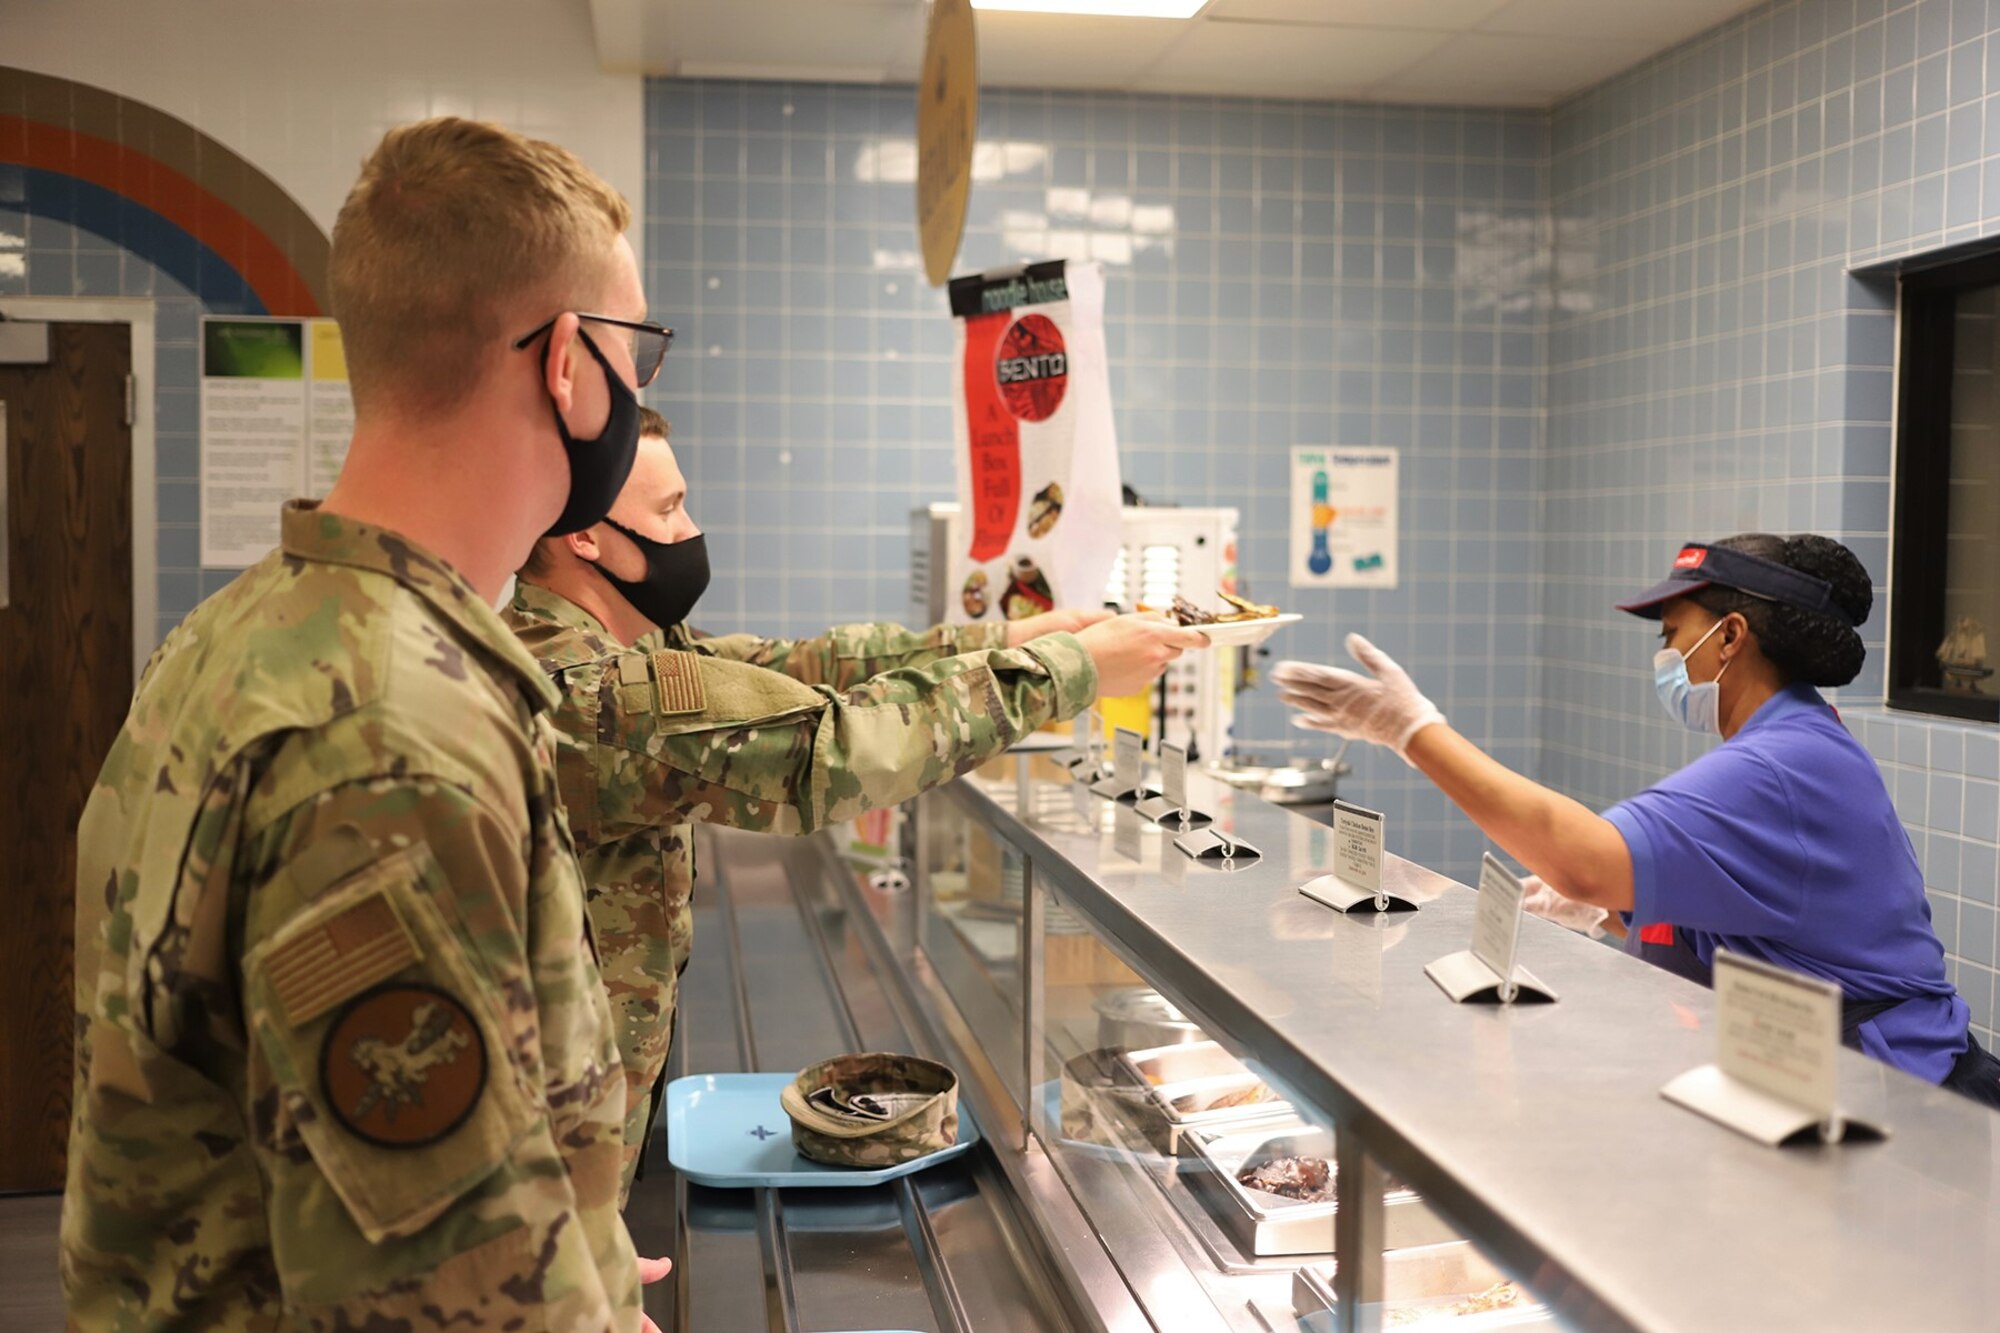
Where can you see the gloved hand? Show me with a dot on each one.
(1549, 905)
(1383, 707)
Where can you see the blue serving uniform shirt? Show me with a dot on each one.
(1782, 844)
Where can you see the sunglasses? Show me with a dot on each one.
(647, 342)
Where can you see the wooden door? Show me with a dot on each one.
(65, 683)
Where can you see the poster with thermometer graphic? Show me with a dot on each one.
(1344, 518)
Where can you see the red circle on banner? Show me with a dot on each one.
(1032, 367)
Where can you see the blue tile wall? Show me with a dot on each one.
(1278, 273)
(1593, 334)
(1716, 366)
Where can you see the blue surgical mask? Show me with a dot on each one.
(1696, 707)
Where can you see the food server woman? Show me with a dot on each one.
(1781, 843)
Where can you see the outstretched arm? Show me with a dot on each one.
(1576, 850)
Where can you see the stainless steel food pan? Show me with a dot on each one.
(1270, 1224)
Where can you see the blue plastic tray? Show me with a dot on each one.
(729, 1130)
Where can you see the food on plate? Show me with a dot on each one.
(1302, 1179)
(1195, 1102)
(1499, 1296)
(1027, 593)
(973, 597)
(1045, 509)
(1187, 613)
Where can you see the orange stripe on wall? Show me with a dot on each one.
(154, 185)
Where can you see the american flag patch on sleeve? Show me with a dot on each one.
(339, 957)
(677, 678)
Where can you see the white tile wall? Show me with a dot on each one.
(305, 91)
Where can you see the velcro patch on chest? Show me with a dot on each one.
(677, 682)
(340, 956)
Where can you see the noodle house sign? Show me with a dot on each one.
(947, 120)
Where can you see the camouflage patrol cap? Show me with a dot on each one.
(872, 1110)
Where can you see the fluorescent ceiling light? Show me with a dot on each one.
(1123, 9)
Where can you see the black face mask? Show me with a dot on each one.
(676, 577)
(597, 468)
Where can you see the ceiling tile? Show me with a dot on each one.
(774, 38)
(1433, 15)
(1066, 51)
(1662, 22)
(1495, 67)
(1527, 52)
(1284, 61)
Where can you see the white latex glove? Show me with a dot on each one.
(1549, 905)
(1384, 708)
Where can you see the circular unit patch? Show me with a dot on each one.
(403, 1065)
(1032, 367)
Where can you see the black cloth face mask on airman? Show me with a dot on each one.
(597, 467)
(676, 576)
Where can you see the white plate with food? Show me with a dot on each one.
(1245, 633)
(1240, 623)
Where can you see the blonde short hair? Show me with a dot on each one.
(455, 228)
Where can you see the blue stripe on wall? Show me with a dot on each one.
(135, 228)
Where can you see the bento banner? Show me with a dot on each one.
(1038, 484)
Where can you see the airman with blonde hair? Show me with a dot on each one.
(341, 1062)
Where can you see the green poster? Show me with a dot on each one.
(254, 349)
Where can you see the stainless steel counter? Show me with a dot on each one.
(1538, 1131)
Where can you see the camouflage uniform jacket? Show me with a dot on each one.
(344, 1057)
(785, 736)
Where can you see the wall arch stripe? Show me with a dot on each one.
(190, 182)
(148, 235)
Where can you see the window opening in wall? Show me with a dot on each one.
(1945, 598)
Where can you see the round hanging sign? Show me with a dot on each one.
(947, 118)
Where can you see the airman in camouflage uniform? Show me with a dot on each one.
(344, 1057)
(307, 813)
(778, 735)
(783, 736)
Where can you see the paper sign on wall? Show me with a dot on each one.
(276, 419)
(1037, 452)
(1344, 518)
(330, 406)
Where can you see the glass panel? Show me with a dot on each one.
(1208, 1182)
(970, 909)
